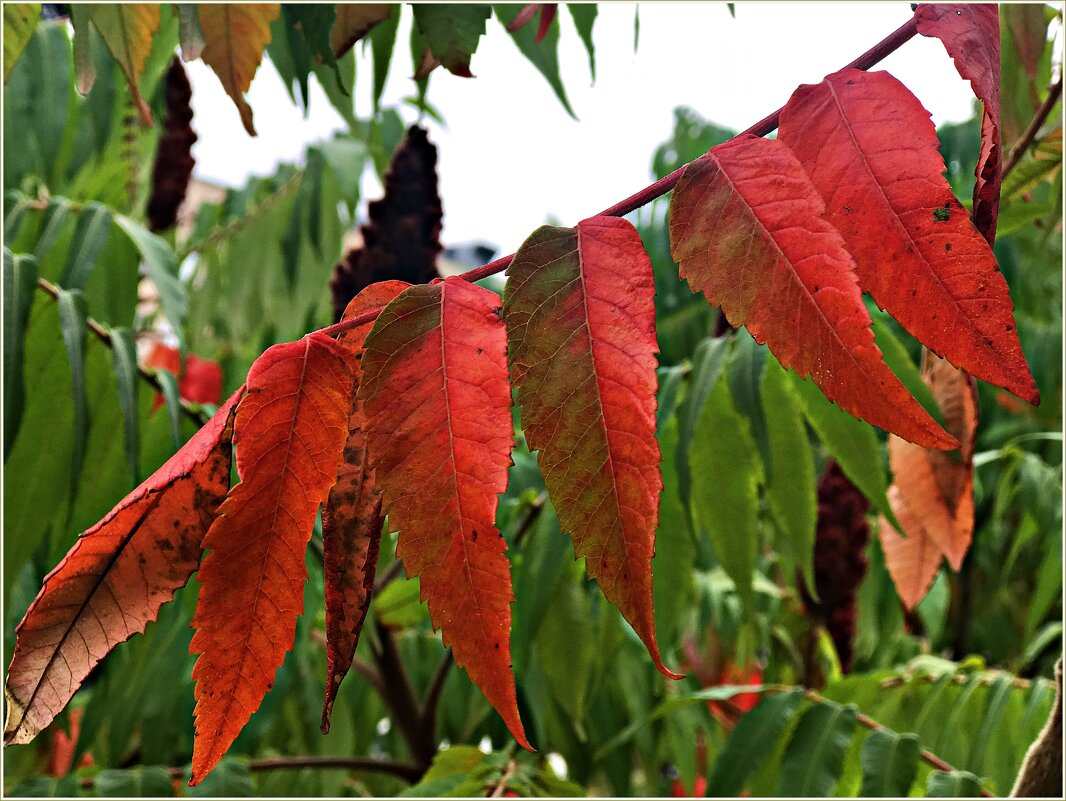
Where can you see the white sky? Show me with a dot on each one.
(511, 157)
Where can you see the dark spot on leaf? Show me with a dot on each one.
(947, 247)
(847, 209)
(988, 342)
(479, 349)
(474, 536)
(850, 82)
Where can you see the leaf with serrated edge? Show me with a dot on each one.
(439, 435)
(235, 36)
(580, 319)
(452, 32)
(747, 231)
(871, 151)
(127, 30)
(289, 432)
(351, 518)
(353, 22)
(113, 581)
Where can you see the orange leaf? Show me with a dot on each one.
(439, 433)
(871, 151)
(580, 317)
(932, 491)
(127, 30)
(970, 34)
(113, 581)
(746, 227)
(351, 518)
(235, 36)
(353, 22)
(289, 433)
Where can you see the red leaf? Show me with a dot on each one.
(547, 13)
(547, 16)
(746, 227)
(199, 382)
(871, 151)
(351, 518)
(113, 581)
(439, 433)
(970, 34)
(289, 433)
(580, 317)
(932, 492)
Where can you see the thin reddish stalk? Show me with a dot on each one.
(888, 45)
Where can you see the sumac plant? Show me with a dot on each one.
(401, 413)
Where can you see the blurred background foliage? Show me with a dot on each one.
(963, 676)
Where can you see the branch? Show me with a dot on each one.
(399, 696)
(436, 687)
(888, 45)
(193, 412)
(1026, 139)
(530, 518)
(501, 786)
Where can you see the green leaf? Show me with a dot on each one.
(675, 550)
(889, 764)
(91, 233)
(128, 30)
(189, 32)
(19, 21)
(899, 362)
(957, 784)
(73, 314)
(139, 782)
(172, 397)
(707, 364)
(669, 383)
(851, 442)
(584, 15)
(814, 757)
(20, 279)
(84, 64)
(746, 368)
(124, 352)
(55, 218)
(398, 606)
(565, 644)
(162, 268)
(452, 32)
(229, 779)
(995, 703)
(751, 743)
(544, 54)
(791, 494)
(46, 786)
(726, 473)
(382, 41)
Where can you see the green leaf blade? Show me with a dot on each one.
(751, 743)
(20, 279)
(814, 757)
(124, 353)
(889, 764)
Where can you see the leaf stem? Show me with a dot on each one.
(194, 413)
(1027, 138)
(766, 125)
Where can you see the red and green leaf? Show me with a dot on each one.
(970, 34)
(872, 153)
(116, 577)
(127, 30)
(289, 433)
(581, 332)
(746, 228)
(439, 433)
(351, 518)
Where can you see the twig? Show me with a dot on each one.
(194, 413)
(888, 45)
(501, 786)
(399, 696)
(403, 770)
(433, 693)
(1026, 139)
(391, 573)
(530, 518)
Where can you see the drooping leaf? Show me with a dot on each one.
(289, 432)
(84, 64)
(584, 15)
(916, 250)
(912, 561)
(751, 742)
(127, 30)
(814, 756)
(747, 231)
(20, 280)
(889, 764)
(707, 363)
(746, 369)
(970, 34)
(353, 22)
(113, 581)
(124, 353)
(73, 314)
(52, 224)
(235, 35)
(580, 319)
(91, 233)
(790, 479)
(956, 784)
(437, 404)
(675, 550)
(142, 781)
(190, 34)
(726, 473)
(382, 41)
(542, 52)
(168, 383)
(452, 32)
(351, 518)
(19, 22)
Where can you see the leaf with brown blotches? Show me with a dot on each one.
(353, 22)
(116, 577)
(351, 518)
